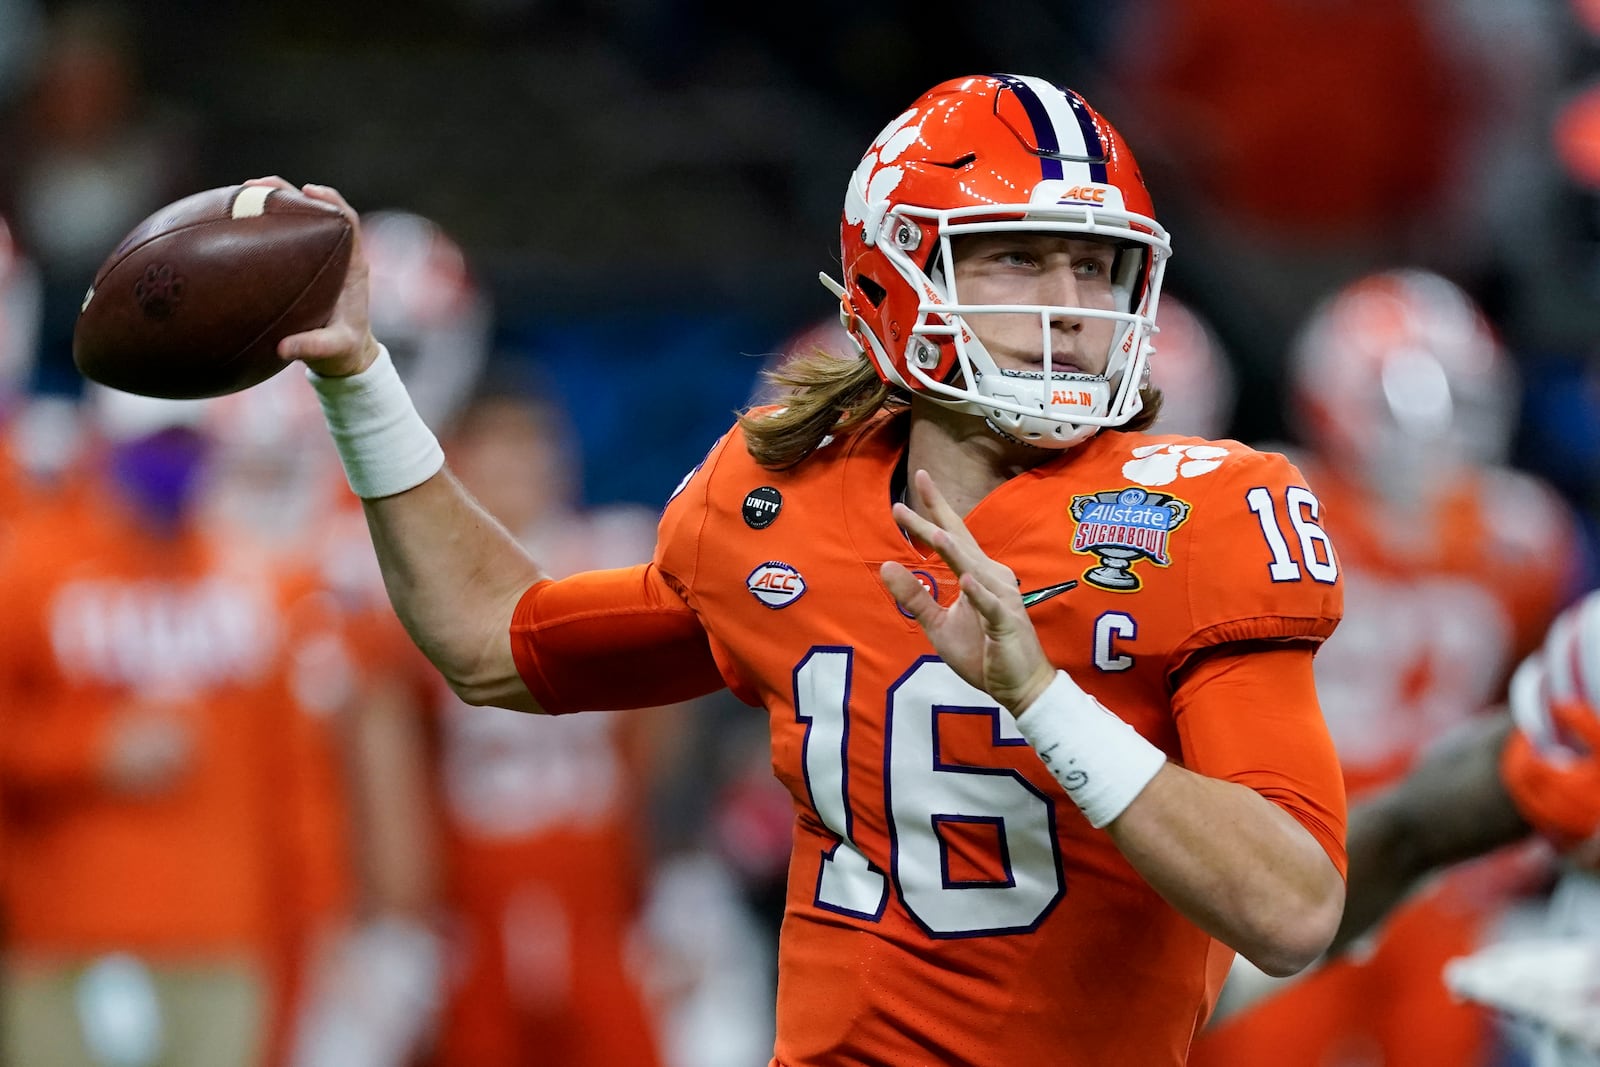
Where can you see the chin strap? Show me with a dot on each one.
(847, 310)
(1047, 442)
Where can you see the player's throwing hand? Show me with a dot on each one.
(345, 345)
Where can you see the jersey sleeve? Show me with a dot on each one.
(630, 637)
(680, 533)
(681, 538)
(1249, 714)
(1262, 565)
(608, 640)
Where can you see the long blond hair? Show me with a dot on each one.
(821, 394)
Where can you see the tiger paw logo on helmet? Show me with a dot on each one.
(876, 173)
(1165, 464)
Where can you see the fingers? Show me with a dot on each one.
(273, 181)
(995, 616)
(329, 195)
(325, 193)
(947, 534)
(316, 344)
(345, 344)
(943, 514)
(917, 526)
(955, 552)
(909, 593)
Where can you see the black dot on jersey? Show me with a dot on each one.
(761, 507)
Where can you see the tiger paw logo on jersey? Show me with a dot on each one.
(1122, 527)
(1165, 464)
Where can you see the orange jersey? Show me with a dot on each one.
(104, 620)
(947, 902)
(1440, 605)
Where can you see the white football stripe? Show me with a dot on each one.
(1069, 135)
(251, 201)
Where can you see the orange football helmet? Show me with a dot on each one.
(984, 154)
(1400, 379)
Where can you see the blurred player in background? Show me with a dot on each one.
(370, 983)
(541, 862)
(546, 820)
(152, 753)
(1455, 565)
(364, 986)
(1194, 373)
(93, 151)
(1534, 767)
(1539, 768)
(425, 296)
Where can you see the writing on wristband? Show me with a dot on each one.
(383, 444)
(1101, 761)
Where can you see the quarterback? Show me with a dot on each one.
(1040, 683)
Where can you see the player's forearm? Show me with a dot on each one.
(1236, 865)
(1451, 807)
(454, 576)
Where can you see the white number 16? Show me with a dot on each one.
(1316, 548)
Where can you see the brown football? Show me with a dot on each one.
(194, 301)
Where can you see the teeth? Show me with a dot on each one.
(1069, 372)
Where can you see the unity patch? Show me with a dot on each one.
(761, 507)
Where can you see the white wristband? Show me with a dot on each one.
(1101, 761)
(383, 443)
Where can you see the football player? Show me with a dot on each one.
(1533, 768)
(363, 985)
(1454, 564)
(153, 759)
(1194, 373)
(1039, 683)
(544, 818)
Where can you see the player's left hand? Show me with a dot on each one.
(985, 635)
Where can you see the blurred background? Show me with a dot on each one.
(646, 187)
(593, 224)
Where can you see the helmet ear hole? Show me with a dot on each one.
(871, 290)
